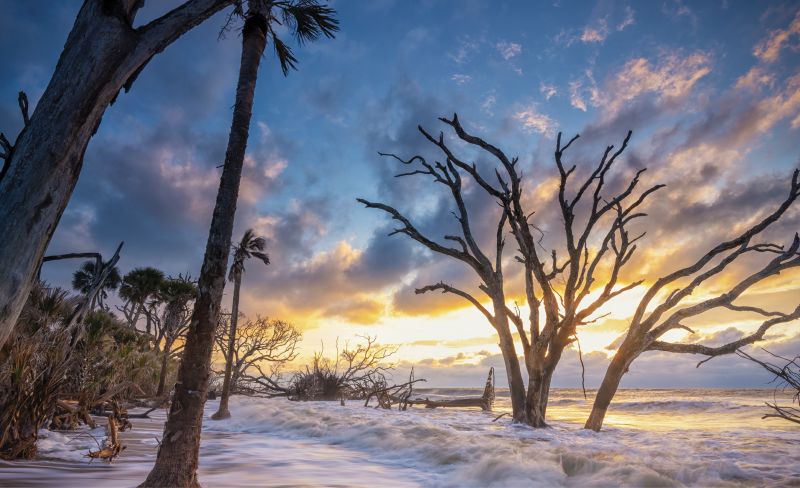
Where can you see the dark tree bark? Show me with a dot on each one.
(223, 412)
(162, 376)
(103, 54)
(176, 464)
(650, 322)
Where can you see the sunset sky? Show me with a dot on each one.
(711, 90)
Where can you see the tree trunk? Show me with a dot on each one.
(223, 412)
(516, 386)
(540, 376)
(102, 54)
(608, 388)
(176, 464)
(164, 363)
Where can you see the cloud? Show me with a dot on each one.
(488, 104)
(575, 97)
(548, 90)
(677, 10)
(508, 50)
(671, 77)
(596, 33)
(461, 79)
(769, 49)
(755, 79)
(534, 121)
(628, 20)
(466, 48)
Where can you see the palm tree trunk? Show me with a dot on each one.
(176, 464)
(103, 53)
(223, 412)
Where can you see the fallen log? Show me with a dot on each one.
(484, 402)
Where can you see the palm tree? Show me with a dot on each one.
(85, 276)
(250, 246)
(138, 286)
(175, 294)
(176, 464)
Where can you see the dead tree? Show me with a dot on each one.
(257, 342)
(787, 377)
(103, 54)
(667, 306)
(558, 282)
(353, 373)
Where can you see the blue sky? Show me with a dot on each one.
(711, 89)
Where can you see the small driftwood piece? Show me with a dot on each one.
(113, 447)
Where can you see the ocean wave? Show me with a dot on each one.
(677, 405)
(465, 448)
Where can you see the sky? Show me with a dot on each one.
(711, 90)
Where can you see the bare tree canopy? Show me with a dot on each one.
(559, 281)
(356, 371)
(667, 304)
(261, 347)
(566, 285)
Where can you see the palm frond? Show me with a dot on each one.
(285, 55)
(257, 244)
(308, 20)
(264, 257)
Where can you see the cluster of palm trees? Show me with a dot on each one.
(163, 302)
(148, 295)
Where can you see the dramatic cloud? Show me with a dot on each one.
(713, 103)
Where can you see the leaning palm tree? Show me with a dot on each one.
(250, 246)
(84, 278)
(176, 463)
(138, 286)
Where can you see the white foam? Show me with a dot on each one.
(652, 438)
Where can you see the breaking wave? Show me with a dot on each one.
(466, 448)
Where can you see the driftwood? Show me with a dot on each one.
(485, 402)
(112, 447)
(389, 395)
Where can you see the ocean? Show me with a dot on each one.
(710, 437)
